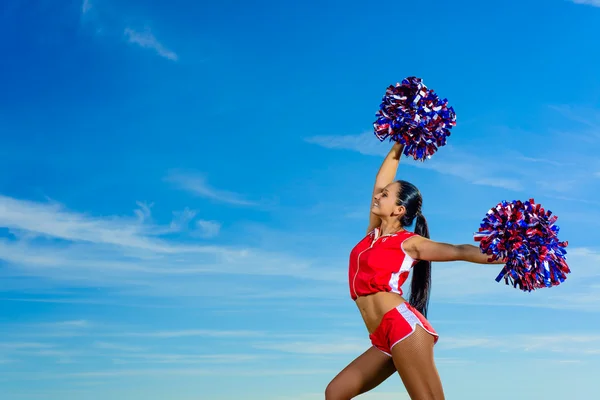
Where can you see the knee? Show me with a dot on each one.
(334, 392)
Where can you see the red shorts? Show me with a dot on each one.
(396, 325)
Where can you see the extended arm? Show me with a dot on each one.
(421, 248)
(385, 176)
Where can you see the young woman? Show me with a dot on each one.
(402, 337)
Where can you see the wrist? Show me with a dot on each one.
(396, 150)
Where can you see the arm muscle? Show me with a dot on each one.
(421, 248)
(385, 176)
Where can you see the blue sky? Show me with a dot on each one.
(183, 183)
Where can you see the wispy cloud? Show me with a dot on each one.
(570, 344)
(450, 161)
(20, 350)
(120, 252)
(80, 323)
(160, 372)
(365, 143)
(182, 219)
(54, 221)
(107, 22)
(86, 6)
(66, 247)
(196, 183)
(25, 345)
(191, 333)
(543, 161)
(343, 346)
(208, 229)
(583, 127)
(144, 212)
(594, 3)
(118, 347)
(549, 170)
(147, 40)
(576, 293)
(185, 359)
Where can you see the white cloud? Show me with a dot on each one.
(543, 161)
(504, 183)
(576, 293)
(191, 333)
(54, 221)
(365, 143)
(547, 170)
(81, 323)
(196, 184)
(63, 247)
(584, 116)
(159, 372)
(20, 350)
(185, 359)
(208, 229)
(144, 212)
(594, 3)
(448, 161)
(147, 40)
(182, 219)
(560, 343)
(25, 345)
(344, 346)
(118, 347)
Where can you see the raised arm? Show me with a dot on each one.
(421, 248)
(385, 176)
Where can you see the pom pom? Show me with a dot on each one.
(525, 236)
(413, 115)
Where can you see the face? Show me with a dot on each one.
(384, 204)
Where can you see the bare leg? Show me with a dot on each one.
(366, 372)
(413, 358)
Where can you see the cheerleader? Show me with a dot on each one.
(402, 338)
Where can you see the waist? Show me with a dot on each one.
(374, 306)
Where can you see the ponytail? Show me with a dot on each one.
(420, 285)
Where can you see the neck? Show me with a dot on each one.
(390, 227)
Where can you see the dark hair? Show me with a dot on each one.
(420, 286)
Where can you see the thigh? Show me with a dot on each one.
(363, 374)
(413, 358)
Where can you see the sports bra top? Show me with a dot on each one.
(379, 264)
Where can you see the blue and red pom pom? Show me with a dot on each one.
(413, 115)
(525, 236)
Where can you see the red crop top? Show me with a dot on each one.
(379, 264)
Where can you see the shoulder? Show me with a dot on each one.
(409, 237)
(410, 242)
(405, 239)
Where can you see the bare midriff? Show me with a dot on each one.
(373, 307)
